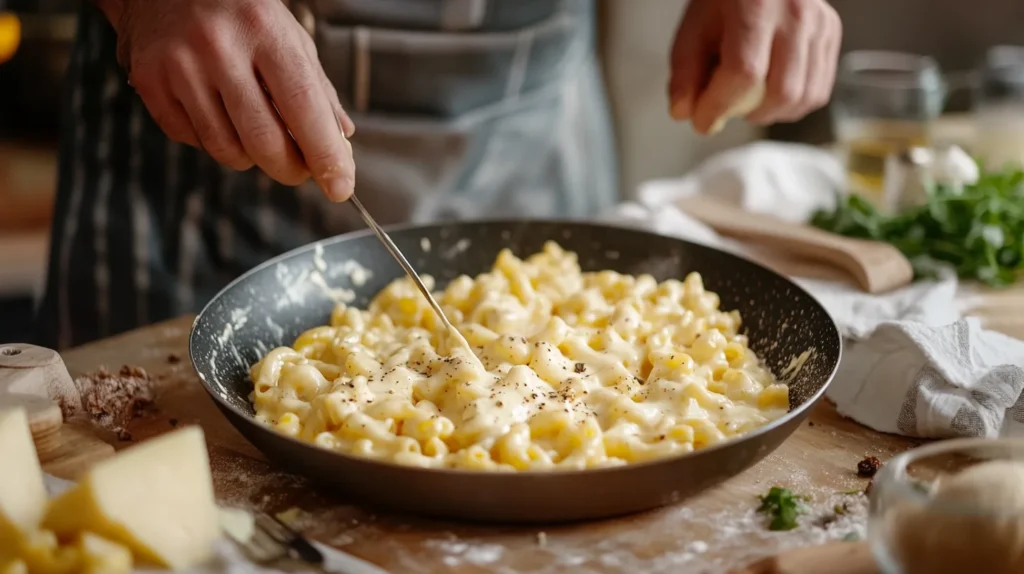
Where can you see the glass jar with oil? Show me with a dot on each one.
(999, 107)
(884, 104)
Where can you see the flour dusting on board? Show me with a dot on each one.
(457, 552)
(738, 535)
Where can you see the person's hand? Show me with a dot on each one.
(726, 49)
(234, 78)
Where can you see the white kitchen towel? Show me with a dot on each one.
(229, 558)
(910, 364)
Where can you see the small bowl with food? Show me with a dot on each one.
(951, 506)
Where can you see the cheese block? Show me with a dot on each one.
(238, 524)
(22, 492)
(13, 566)
(42, 554)
(101, 556)
(156, 498)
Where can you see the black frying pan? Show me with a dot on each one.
(273, 303)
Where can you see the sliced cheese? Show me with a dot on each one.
(22, 492)
(101, 556)
(237, 524)
(43, 554)
(156, 498)
(13, 566)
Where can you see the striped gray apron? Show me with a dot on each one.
(463, 108)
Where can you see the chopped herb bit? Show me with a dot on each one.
(853, 492)
(783, 507)
(851, 537)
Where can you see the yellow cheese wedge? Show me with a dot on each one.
(238, 524)
(156, 498)
(101, 556)
(13, 566)
(22, 492)
(43, 554)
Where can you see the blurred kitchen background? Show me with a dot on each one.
(635, 39)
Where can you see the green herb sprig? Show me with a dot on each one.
(783, 507)
(976, 229)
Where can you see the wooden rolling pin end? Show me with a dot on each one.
(30, 370)
(36, 380)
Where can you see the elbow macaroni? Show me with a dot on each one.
(571, 370)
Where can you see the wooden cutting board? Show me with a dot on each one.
(715, 532)
(833, 558)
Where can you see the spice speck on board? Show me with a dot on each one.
(868, 467)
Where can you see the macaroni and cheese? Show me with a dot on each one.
(566, 370)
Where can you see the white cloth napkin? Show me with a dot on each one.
(229, 559)
(911, 364)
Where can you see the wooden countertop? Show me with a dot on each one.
(715, 531)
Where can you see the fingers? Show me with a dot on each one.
(744, 57)
(300, 98)
(347, 126)
(210, 121)
(261, 131)
(821, 71)
(166, 110)
(788, 48)
(691, 60)
(803, 66)
(787, 79)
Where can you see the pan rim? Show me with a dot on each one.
(801, 410)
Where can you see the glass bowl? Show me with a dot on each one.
(936, 509)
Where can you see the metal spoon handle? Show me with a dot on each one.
(397, 254)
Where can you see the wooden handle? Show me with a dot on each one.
(877, 267)
(833, 558)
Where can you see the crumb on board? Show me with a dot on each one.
(174, 358)
(174, 422)
(112, 400)
(868, 467)
(542, 539)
